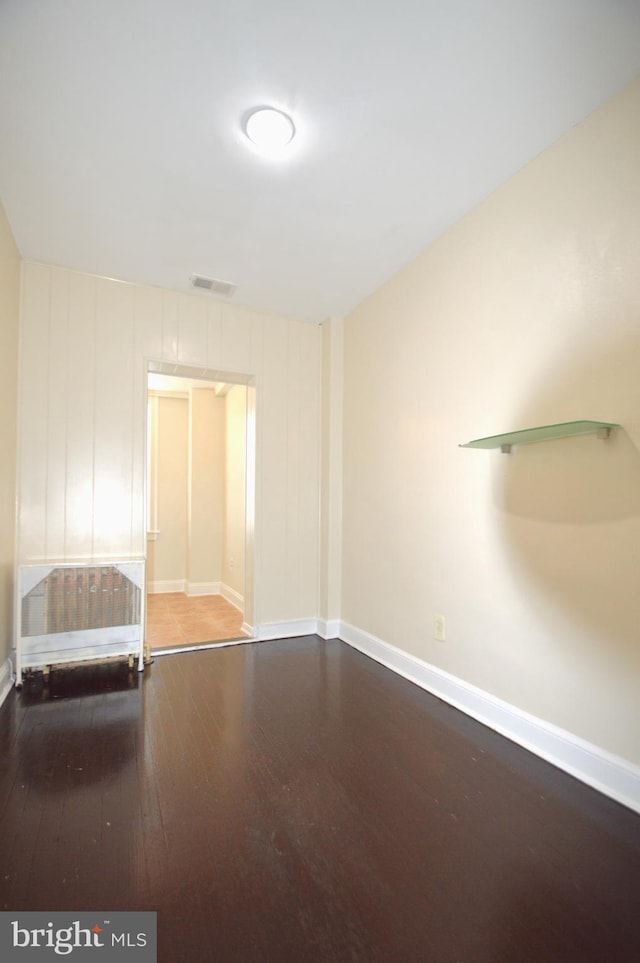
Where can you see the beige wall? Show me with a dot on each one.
(206, 488)
(9, 316)
(82, 422)
(235, 489)
(198, 461)
(527, 312)
(331, 485)
(168, 553)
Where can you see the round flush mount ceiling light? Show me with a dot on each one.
(270, 130)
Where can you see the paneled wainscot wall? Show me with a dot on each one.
(85, 344)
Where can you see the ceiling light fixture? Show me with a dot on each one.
(270, 130)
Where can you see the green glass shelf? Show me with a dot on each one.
(529, 436)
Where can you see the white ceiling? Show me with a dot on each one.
(122, 154)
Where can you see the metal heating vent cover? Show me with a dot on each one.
(73, 599)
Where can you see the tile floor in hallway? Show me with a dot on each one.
(174, 618)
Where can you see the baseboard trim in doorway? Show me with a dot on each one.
(286, 630)
(602, 770)
(233, 597)
(161, 588)
(193, 589)
(198, 647)
(6, 680)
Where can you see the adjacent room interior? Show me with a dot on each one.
(196, 504)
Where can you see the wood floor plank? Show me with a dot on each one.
(295, 801)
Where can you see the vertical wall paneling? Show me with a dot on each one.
(56, 413)
(10, 297)
(147, 308)
(33, 443)
(77, 498)
(113, 422)
(192, 329)
(257, 329)
(236, 338)
(170, 326)
(138, 440)
(214, 335)
(85, 346)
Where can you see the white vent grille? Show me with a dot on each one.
(223, 288)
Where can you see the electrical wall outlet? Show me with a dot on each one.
(439, 628)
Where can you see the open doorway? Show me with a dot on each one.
(200, 469)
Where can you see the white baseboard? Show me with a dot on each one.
(6, 680)
(232, 596)
(610, 774)
(247, 629)
(159, 588)
(328, 628)
(194, 589)
(202, 588)
(286, 630)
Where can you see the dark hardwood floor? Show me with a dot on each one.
(295, 801)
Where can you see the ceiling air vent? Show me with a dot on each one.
(224, 288)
